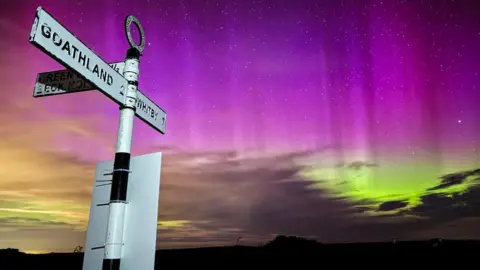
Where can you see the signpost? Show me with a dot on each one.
(88, 71)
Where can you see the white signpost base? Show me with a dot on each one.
(140, 229)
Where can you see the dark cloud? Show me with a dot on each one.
(442, 206)
(455, 179)
(447, 207)
(392, 205)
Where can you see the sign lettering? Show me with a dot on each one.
(65, 81)
(56, 41)
(76, 54)
(146, 108)
(150, 112)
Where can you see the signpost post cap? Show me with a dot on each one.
(128, 22)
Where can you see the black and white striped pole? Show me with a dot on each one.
(121, 166)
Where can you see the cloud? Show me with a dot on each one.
(44, 186)
(449, 209)
(9, 224)
(392, 205)
(207, 198)
(455, 197)
(45, 190)
(238, 192)
(263, 196)
(456, 179)
(214, 198)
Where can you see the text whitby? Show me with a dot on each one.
(146, 108)
(76, 54)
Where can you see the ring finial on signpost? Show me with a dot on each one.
(128, 22)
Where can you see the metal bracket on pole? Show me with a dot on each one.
(117, 170)
(107, 184)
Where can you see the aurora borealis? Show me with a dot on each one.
(340, 120)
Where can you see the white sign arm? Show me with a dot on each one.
(56, 41)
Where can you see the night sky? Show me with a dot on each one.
(339, 120)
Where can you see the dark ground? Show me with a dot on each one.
(281, 251)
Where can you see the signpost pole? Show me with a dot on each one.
(121, 166)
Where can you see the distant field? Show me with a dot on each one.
(277, 251)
